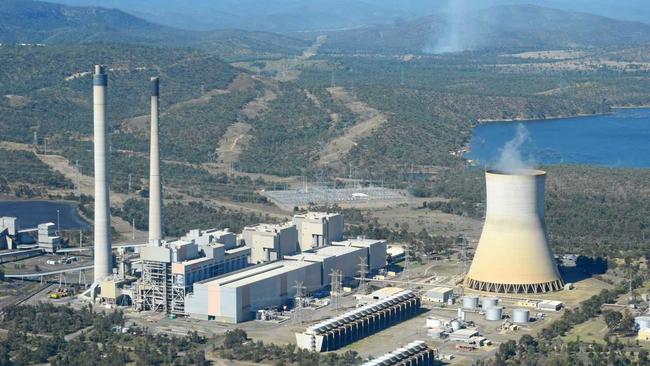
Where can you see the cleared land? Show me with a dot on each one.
(369, 119)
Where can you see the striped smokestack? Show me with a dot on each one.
(103, 258)
(155, 187)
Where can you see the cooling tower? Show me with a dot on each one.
(103, 259)
(155, 188)
(514, 253)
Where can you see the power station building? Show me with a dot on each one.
(332, 334)
(347, 257)
(270, 242)
(318, 229)
(235, 297)
(514, 253)
(169, 271)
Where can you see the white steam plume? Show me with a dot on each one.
(459, 32)
(511, 159)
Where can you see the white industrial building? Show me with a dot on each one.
(375, 250)
(9, 229)
(318, 229)
(211, 236)
(236, 297)
(170, 269)
(343, 258)
(438, 294)
(48, 239)
(270, 242)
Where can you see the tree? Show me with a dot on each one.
(613, 319)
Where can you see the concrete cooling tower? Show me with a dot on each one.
(514, 253)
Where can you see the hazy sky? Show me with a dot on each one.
(292, 15)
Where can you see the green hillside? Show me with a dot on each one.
(26, 21)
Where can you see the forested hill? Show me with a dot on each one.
(26, 21)
(520, 27)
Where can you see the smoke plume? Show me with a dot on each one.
(511, 159)
(458, 34)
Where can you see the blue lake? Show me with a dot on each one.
(621, 139)
(32, 213)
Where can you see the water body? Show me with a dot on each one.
(621, 139)
(32, 213)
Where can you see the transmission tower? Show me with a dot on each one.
(36, 141)
(463, 265)
(77, 180)
(337, 279)
(407, 273)
(129, 184)
(363, 273)
(298, 301)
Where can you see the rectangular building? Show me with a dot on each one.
(375, 251)
(342, 258)
(438, 294)
(236, 297)
(212, 236)
(318, 229)
(169, 271)
(270, 242)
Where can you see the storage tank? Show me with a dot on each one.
(470, 302)
(435, 333)
(455, 325)
(494, 313)
(434, 323)
(489, 302)
(642, 322)
(520, 316)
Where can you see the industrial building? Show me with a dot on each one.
(514, 253)
(346, 256)
(439, 294)
(416, 353)
(9, 229)
(210, 236)
(550, 305)
(236, 297)
(359, 323)
(318, 229)
(375, 250)
(269, 242)
(169, 270)
(48, 239)
(44, 236)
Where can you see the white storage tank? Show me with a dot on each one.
(494, 313)
(470, 302)
(434, 323)
(455, 325)
(520, 316)
(642, 322)
(435, 333)
(489, 302)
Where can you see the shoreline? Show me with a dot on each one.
(551, 118)
(466, 147)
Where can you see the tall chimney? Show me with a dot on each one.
(155, 188)
(103, 259)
